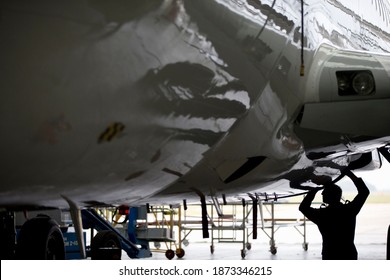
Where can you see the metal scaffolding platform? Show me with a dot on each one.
(159, 225)
(239, 223)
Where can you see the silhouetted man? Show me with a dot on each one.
(337, 221)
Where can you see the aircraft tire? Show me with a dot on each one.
(106, 246)
(40, 239)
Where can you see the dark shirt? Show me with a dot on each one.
(337, 223)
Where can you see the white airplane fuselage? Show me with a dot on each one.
(125, 102)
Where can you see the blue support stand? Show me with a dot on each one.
(132, 229)
(91, 219)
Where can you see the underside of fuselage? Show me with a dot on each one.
(124, 103)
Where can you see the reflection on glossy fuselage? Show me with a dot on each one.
(132, 102)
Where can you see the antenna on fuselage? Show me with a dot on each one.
(302, 71)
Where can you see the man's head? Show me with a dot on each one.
(331, 194)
